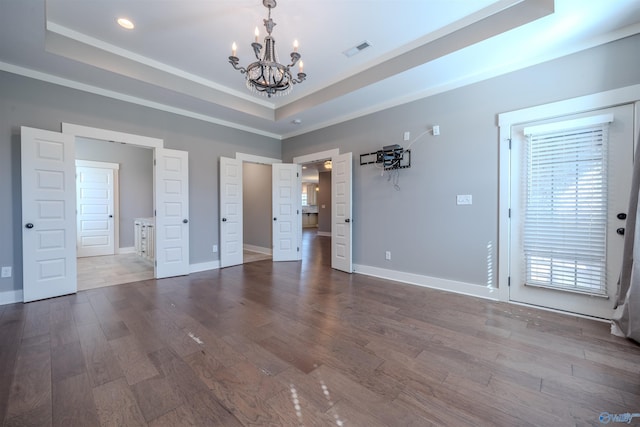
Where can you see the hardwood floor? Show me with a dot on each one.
(297, 343)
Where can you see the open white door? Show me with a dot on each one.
(231, 239)
(172, 212)
(48, 214)
(341, 213)
(287, 221)
(95, 209)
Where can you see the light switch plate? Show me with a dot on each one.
(464, 199)
(6, 272)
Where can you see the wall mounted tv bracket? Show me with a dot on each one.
(391, 156)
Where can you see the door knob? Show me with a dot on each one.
(224, 219)
(110, 216)
(275, 219)
(622, 215)
(620, 231)
(347, 220)
(29, 225)
(185, 220)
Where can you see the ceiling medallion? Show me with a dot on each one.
(267, 76)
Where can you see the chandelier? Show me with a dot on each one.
(267, 75)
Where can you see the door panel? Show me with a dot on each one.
(95, 222)
(287, 226)
(172, 212)
(341, 252)
(48, 214)
(231, 233)
(620, 157)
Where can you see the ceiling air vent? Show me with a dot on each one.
(356, 49)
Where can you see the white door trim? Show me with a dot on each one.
(251, 158)
(115, 136)
(506, 120)
(314, 157)
(116, 195)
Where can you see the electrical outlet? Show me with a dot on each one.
(6, 272)
(215, 248)
(464, 199)
(436, 130)
(387, 255)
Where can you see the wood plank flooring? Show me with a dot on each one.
(297, 343)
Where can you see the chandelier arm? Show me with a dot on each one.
(257, 47)
(234, 60)
(295, 57)
(301, 77)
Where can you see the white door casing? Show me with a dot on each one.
(341, 218)
(48, 214)
(620, 157)
(95, 209)
(172, 212)
(287, 220)
(231, 233)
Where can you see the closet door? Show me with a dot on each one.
(48, 214)
(231, 236)
(286, 206)
(172, 213)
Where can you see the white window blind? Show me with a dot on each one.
(565, 217)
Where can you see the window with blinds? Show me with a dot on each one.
(565, 217)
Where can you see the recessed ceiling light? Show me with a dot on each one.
(125, 23)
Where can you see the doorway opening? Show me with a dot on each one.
(316, 204)
(257, 227)
(115, 224)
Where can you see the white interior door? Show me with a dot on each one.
(172, 212)
(231, 238)
(541, 272)
(287, 221)
(48, 214)
(95, 210)
(341, 252)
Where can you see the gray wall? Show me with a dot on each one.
(324, 199)
(135, 179)
(426, 232)
(28, 102)
(256, 198)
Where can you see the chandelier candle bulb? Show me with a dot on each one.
(234, 49)
(295, 45)
(257, 33)
(300, 67)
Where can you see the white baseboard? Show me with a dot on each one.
(130, 250)
(204, 266)
(324, 233)
(259, 249)
(11, 297)
(429, 282)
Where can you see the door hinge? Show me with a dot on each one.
(298, 211)
(509, 212)
(509, 143)
(509, 282)
(154, 213)
(155, 263)
(298, 249)
(297, 175)
(154, 162)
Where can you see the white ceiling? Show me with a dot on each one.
(176, 59)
